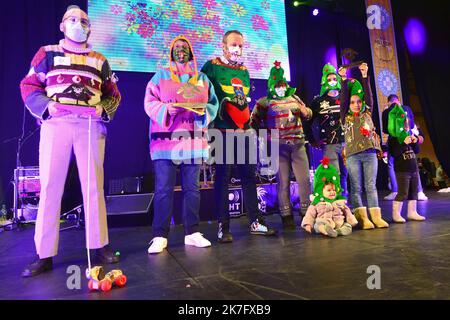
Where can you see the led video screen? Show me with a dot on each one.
(136, 35)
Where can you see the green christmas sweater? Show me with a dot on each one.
(232, 85)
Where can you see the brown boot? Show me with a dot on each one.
(363, 220)
(375, 215)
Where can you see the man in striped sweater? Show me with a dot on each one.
(284, 111)
(69, 84)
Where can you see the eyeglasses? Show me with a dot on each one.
(74, 20)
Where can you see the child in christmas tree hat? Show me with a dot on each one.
(328, 212)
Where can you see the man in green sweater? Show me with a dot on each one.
(231, 81)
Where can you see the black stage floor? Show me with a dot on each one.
(414, 260)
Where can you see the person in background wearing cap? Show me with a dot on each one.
(362, 144)
(283, 110)
(327, 129)
(67, 84)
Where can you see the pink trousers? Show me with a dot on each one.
(58, 137)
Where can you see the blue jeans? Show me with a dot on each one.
(391, 171)
(393, 177)
(334, 153)
(359, 165)
(165, 179)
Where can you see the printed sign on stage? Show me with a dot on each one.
(384, 52)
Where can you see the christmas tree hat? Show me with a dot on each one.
(397, 123)
(276, 76)
(325, 87)
(326, 173)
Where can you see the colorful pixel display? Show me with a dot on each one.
(136, 35)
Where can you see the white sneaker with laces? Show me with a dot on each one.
(421, 196)
(197, 240)
(391, 196)
(157, 245)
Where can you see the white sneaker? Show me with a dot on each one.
(197, 240)
(391, 196)
(158, 244)
(421, 196)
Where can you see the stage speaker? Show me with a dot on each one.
(129, 185)
(129, 209)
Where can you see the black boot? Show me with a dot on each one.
(38, 266)
(303, 208)
(106, 255)
(224, 235)
(288, 222)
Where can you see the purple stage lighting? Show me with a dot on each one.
(415, 36)
(331, 56)
(315, 12)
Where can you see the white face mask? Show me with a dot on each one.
(281, 91)
(235, 53)
(76, 32)
(332, 83)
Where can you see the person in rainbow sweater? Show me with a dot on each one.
(67, 85)
(180, 102)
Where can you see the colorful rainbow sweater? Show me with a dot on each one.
(182, 136)
(80, 77)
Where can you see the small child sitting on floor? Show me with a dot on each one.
(328, 212)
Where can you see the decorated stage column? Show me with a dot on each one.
(384, 51)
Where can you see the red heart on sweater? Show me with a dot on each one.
(240, 117)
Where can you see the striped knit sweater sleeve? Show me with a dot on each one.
(32, 87)
(155, 109)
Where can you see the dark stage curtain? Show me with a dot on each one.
(431, 67)
(28, 24)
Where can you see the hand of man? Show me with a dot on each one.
(173, 111)
(98, 111)
(408, 140)
(303, 108)
(57, 110)
(364, 68)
